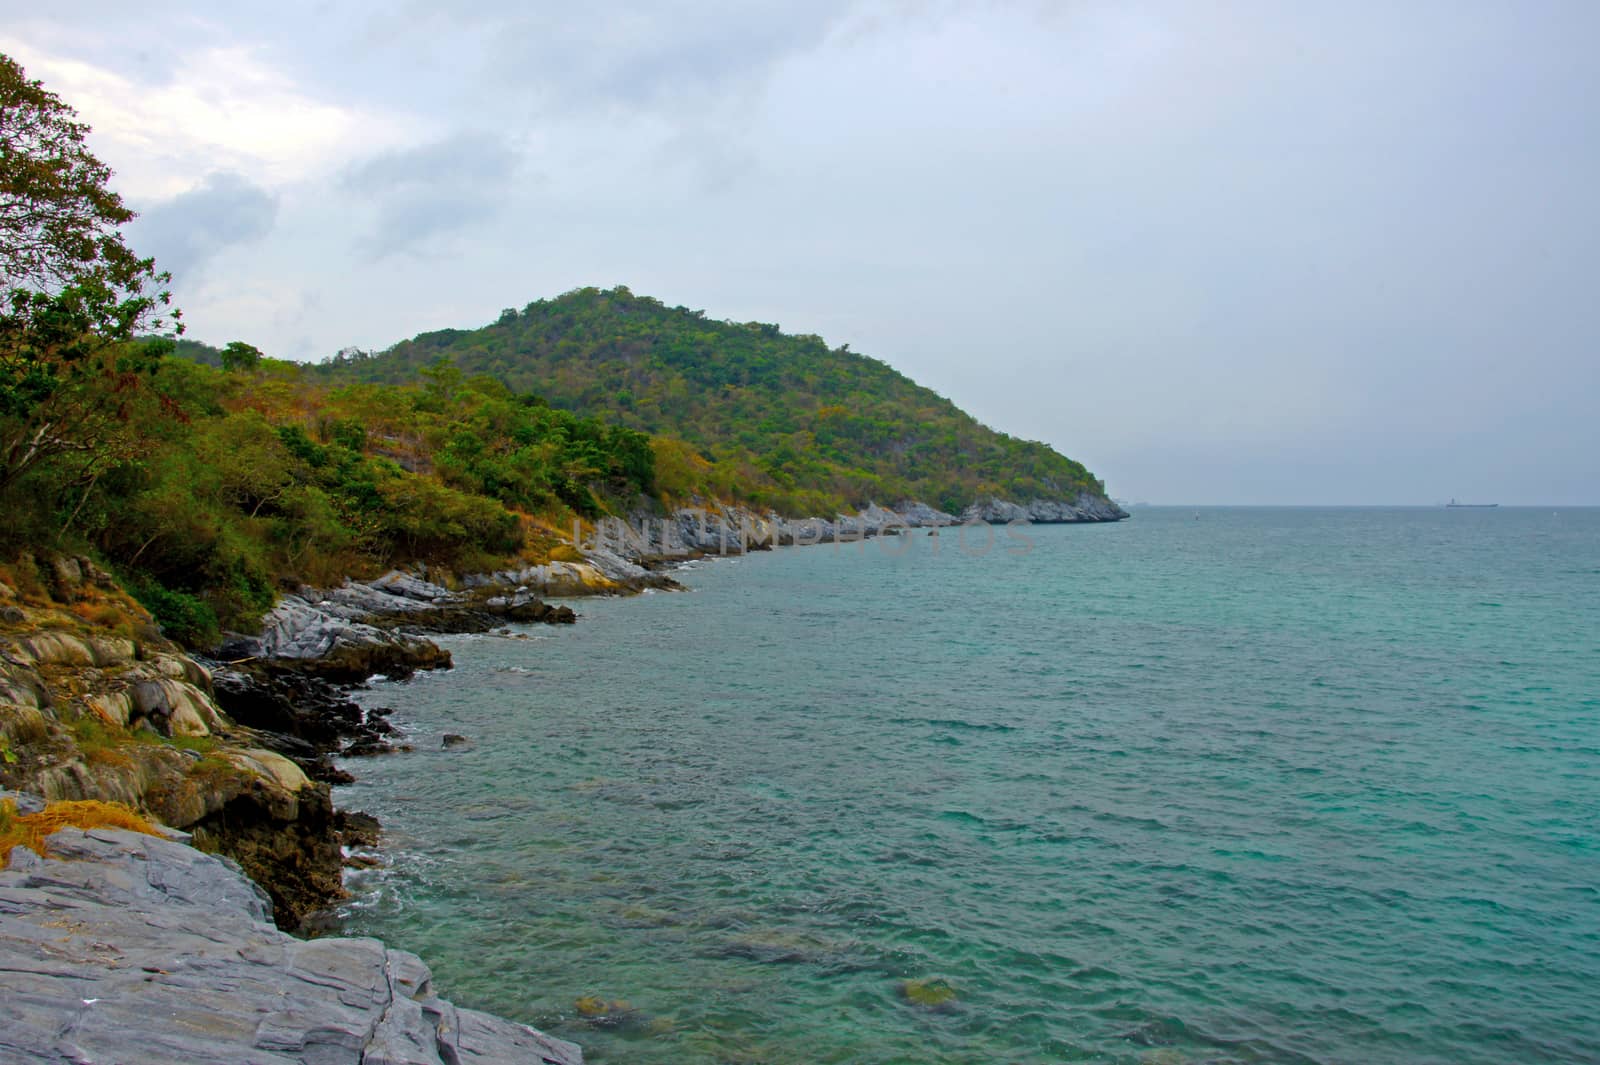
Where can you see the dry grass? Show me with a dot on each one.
(30, 830)
(22, 574)
(105, 614)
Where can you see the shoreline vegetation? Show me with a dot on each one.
(206, 547)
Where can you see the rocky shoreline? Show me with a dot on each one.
(113, 946)
(130, 948)
(713, 529)
(237, 750)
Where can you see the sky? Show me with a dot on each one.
(1221, 252)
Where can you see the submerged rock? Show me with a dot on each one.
(930, 993)
(597, 1012)
(143, 951)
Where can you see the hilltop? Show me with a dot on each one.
(790, 422)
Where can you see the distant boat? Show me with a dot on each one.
(1470, 506)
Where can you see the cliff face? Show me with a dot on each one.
(128, 948)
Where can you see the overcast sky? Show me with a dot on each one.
(1276, 252)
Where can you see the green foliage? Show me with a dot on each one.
(206, 481)
(186, 618)
(209, 480)
(775, 419)
(302, 447)
(240, 356)
(75, 294)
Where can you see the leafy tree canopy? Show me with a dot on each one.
(797, 425)
(75, 293)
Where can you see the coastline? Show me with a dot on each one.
(271, 711)
(140, 949)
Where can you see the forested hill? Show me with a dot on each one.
(820, 427)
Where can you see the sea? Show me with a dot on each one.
(1216, 785)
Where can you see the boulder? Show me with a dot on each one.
(66, 576)
(273, 766)
(140, 950)
(114, 708)
(316, 639)
(174, 707)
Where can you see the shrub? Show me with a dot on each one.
(185, 618)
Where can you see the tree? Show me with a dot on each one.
(76, 295)
(240, 356)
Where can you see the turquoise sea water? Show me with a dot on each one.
(1278, 785)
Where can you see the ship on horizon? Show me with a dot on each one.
(1469, 506)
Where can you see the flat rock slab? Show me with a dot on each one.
(128, 949)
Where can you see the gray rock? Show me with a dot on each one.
(919, 515)
(1086, 508)
(611, 563)
(328, 637)
(408, 586)
(909, 514)
(25, 803)
(67, 575)
(128, 948)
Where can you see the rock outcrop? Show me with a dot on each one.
(143, 951)
(361, 628)
(320, 637)
(717, 529)
(919, 515)
(1086, 508)
(608, 565)
(87, 713)
(306, 718)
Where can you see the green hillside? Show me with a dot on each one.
(796, 424)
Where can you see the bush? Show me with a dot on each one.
(186, 618)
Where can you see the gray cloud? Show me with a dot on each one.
(420, 195)
(189, 230)
(634, 54)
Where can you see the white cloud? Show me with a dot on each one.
(221, 109)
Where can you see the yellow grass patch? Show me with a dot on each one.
(30, 830)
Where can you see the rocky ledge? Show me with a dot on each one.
(135, 949)
(711, 528)
(361, 628)
(1086, 508)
